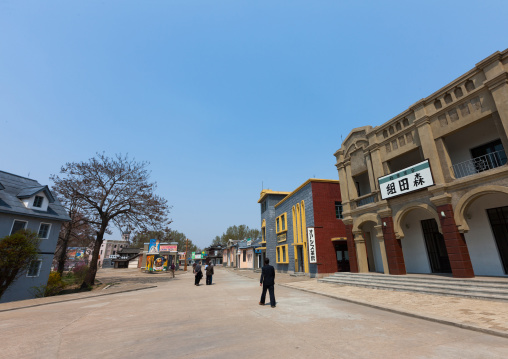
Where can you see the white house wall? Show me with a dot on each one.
(480, 239)
(413, 243)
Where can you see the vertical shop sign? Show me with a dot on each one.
(311, 239)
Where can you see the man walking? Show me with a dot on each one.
(267, 281)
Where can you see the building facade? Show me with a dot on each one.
(427, 191)
(26, 204)
(109, 251)
(302, 231)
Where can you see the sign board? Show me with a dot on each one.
(168, 248)
(311, 240)
(249, 242)
(153, 247)
(407, 180)
(197, 256)
(193, 255)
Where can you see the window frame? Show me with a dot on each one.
(282, 254)
(36, 200)
(337, 215)
(281, 223)
(39, 231)
(18, 220)
(38, 269)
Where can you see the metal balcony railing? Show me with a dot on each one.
(479, 164)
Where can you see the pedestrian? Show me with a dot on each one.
(209, 274)
(268, 282)
(197, 273)
(173, 269)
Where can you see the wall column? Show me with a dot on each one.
(396, 263)
(361, 251)
(429, 149)
(456, 246)
(353, 263)
(498, 87)
(380, 238)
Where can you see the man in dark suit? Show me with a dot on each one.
(268, 282)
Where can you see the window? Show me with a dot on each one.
(101, 251)
(263, 207)
(18, 225)
(281, 223)
(338, 210)
(44, 230)
(244, 255)
(282, 254)
(34, 269)
(38, 201)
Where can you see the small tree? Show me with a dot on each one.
(114, 190)
(17, 251)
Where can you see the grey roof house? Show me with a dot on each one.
(26, 204)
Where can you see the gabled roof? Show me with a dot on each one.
(15, 186)
(32, 191)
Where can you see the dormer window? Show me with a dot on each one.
(38, 201)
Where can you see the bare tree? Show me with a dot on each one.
(77, 231)
(110, 189)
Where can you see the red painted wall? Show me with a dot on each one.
(327, 226)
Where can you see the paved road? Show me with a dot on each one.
(180, 320)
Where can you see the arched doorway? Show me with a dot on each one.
(423, 245)
(373, 247)
(484, 218)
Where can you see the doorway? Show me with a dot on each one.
(498, 218)
(299, 264)
(342, 255)
(436, 247)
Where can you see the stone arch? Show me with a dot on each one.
(401, 214)
(366, 217)
(467, 199)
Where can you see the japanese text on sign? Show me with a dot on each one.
(407, 180)
(311, 239)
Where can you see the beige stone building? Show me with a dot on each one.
(427, 191)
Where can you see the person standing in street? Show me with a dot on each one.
(197, 273)
(209, 274)
(268, 282)
(173, 269)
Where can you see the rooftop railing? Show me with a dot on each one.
(479, 164)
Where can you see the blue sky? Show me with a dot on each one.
(222, 96)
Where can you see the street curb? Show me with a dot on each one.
(80, 298)
(408, 314)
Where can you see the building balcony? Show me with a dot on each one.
(479, 164)
(364, 200)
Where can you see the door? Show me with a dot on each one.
(342, 257)
(498, 218)
(300, 259)
(436, 247)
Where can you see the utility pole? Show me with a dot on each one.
(186, 244)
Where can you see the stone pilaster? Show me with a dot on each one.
(353, 263)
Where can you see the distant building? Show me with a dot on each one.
(109, 251)
(26, 204)
(302, 231)
(214, 254)
(128, 258)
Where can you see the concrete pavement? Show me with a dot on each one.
(178, 319)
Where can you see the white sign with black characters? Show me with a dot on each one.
(407, 180)
(311, 240)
